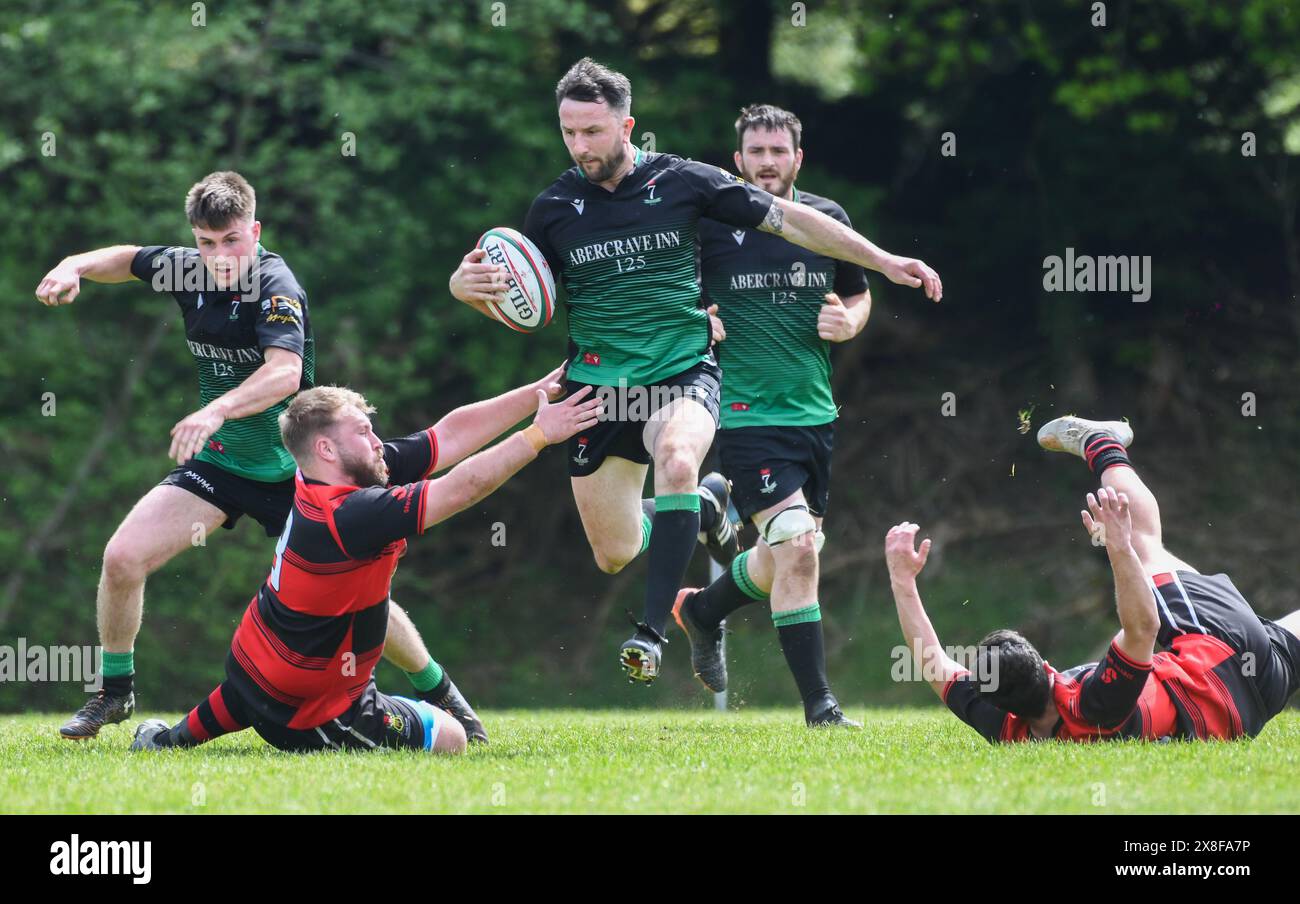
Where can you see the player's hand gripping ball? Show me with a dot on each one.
(530, 287)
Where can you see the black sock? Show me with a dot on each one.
(1101, 450)
(437, 692)
(800, 632)
(672, 543)
(119, 685)
(727, 594)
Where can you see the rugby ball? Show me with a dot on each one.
(530, 292)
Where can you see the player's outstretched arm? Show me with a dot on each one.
(905, 563)
(278, 378)
(62, 285)
(469, 428)
(817, 232)
(1138, 618)
(479, 476)
(476, 283)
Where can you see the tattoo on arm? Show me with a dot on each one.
(774, 220)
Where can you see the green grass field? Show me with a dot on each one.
(752, 761)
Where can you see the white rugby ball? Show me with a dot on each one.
(530, 285)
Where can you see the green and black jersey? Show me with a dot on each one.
(775, 368)
(227, 332)
(628, 262)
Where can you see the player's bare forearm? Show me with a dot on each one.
(920, 635)
(278, 378)
(480, 475)
(1134, 604)
(105, 265)
(62, 285)
(1108, 514)
(817, 232)
(469, 428)
(476, 478)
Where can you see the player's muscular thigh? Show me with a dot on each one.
(165, 522)
(609, 503)
(678, 437)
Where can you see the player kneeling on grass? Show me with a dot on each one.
(300, 667)
(1224, 673)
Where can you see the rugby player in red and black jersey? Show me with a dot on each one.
(300, 667)
(249, 331)
(1223, 672)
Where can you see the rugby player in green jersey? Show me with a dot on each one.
(248, 329)
(619, 230)
(781, 306)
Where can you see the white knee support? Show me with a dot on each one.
(789, 523)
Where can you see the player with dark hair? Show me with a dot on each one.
(619, 229)
(1224, 671)
(300, 667)
(781, 306)
(249, 331)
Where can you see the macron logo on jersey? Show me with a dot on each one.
(739, 236)
(578, 205)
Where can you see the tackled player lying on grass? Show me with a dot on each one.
(301, 666)
(1224, 672)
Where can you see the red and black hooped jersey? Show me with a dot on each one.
(312, 636)
(1199, 688)
(1179, 694)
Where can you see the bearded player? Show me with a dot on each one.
(300, 668)
(619, 229)
(782, 306)
(1223, 673)
(249, 331)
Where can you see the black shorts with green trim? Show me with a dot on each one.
(768, 464)
(628, 409)
(267, 503)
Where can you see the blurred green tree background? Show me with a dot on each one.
(1171, 130)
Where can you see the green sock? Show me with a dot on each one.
(116, 670)
(428, 677)
(797, 616)
(646, 524)
(115, 665)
